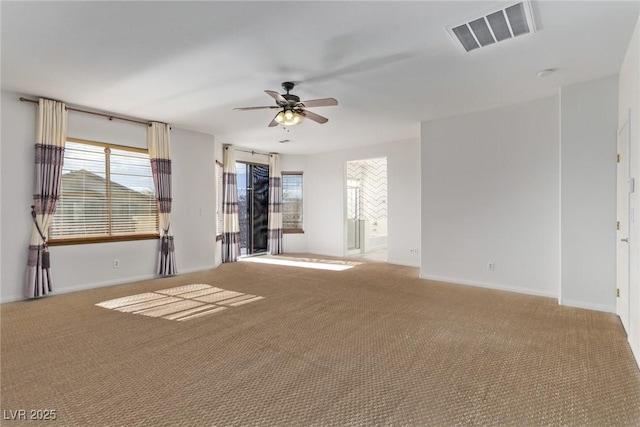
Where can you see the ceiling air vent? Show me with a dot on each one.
(499, 25)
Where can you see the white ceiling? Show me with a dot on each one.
(390, 64)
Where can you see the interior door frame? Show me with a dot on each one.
(623, 207)
(363, 248)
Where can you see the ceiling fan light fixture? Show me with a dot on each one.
(288, 117)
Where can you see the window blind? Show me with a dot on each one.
(106, 191)
(291, 201)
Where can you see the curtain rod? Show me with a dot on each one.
(254, 152)
(108, 116)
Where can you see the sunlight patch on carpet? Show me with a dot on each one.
(318, 264)
(180, 303)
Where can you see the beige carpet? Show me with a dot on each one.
(372, 345)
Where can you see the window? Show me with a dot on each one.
(292, 202)
(106, 194)
(219, 175)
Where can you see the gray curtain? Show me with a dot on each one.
(230, 221)
(158, 142)
(51, 135)
(274, 241)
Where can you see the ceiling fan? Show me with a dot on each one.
(292, 110)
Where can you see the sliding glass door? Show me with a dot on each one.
(253, 207)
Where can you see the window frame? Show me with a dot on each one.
(293, 230)
(62, 241)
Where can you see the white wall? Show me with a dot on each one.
(490, 193)
(629, 99)
(589, 115)
(18, 139)
(85, 266)
(325, 199)
(193, 217)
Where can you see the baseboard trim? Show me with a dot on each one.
(587, 305)
(480, 284)
(106, 283)
(13, 298)
(96, 285)
(636, 354)
(402, 263)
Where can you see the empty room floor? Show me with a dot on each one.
(256, 344)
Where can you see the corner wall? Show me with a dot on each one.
(76, 267)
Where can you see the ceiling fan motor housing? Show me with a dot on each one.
(291, 98)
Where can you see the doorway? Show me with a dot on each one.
(354, 223)
(366, 209)
(253, 207)
(622, 245)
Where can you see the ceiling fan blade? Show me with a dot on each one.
(275, 95)
(313, 116)
(324, 102)
(273, 122)
(256, 108)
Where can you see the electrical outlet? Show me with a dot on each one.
(491, 266)
(116, 263)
